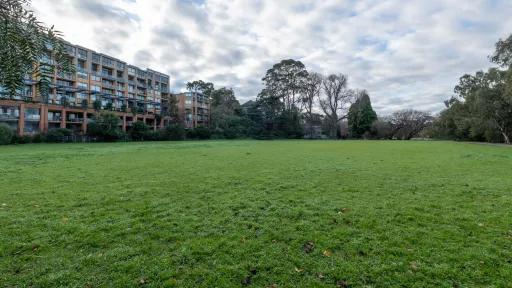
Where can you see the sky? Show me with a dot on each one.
(406, 54)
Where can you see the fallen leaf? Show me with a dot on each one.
(342, 284)
(414, 266)
(308, 247)
(299, 270)
(327, 253)
(320, 275)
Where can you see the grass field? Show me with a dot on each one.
(256, 214)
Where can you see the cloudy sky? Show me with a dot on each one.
(407, 54)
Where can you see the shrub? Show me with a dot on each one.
(174, 132)
(202, 133)
(140, 130)
(38, 138)
(6, 134)
(57, 135)
(106, 126)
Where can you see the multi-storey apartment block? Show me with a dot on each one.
(193, 108)
(100, 81)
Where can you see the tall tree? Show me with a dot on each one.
(361, 115)
(25, 41)
(199, 86)
(335, 101)
(311, 92)
(286, 80)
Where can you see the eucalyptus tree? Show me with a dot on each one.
(25, 42)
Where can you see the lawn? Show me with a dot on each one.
(256, 214)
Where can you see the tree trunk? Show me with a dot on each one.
(507, 139)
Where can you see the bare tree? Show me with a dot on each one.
(311, 92)
(408, 123)
(335, 101)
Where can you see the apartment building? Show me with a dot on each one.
(101, 81)
(193, 108)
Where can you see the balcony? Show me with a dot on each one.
(66, 76)
(33, 117)
(75, 120)
(9, 117)
(108, 76)
(55, 118)
(107, 85)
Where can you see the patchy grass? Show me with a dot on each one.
(256, 214)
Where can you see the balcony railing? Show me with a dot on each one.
(9, 117)
(75, 120)
(54, 118)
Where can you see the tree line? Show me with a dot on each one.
(481, 109)
(296, 103)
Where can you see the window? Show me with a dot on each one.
(95, 88)
(120, 93)
(81, 75)
(82, 85)
(96, 58)
(131, 70)
(32, 114)
(107, 61)
(82, 53)
(95, 78)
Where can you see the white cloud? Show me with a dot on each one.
(407, 54)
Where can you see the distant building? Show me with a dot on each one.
(130, 92)
(193, 109)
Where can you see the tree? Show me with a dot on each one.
(140, 130)
(361, 116)
(6, 134)
(335, 101)
(226, 113)
(286, 80)
(199, 86)
(25, 41)
(311, 92)
(96, 105)
(409, 123)
(106, 126)
(481, 109)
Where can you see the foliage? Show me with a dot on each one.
(361, 116)
(96, 105)
(409, 123)
(57, 135)
(6, 134)
(199, 86)
(381, 129)
(209, 214)
(25, 41)
(175, 132)
(109, 106)
(140, 130)
(200, 132)
(482, 107)
(105, 126)
(85, 104)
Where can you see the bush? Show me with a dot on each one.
(57, 135)
(140, 131)
(201, 133)
(174, 133)
(106, 127)
(6, 134)
(38, 138)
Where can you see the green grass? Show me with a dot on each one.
(235, 213)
